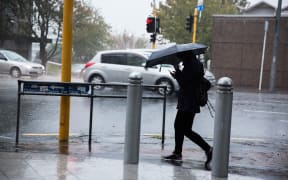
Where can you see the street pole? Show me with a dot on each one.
(194, 26)
(275, 48)
(155, 25)
(263, 54)
(66, 69)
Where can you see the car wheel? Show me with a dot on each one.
(165, 82)
(15, 72)
(96, 78)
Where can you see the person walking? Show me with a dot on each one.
(188, 79)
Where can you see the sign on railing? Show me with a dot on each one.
(55, 88)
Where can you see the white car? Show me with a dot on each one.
(17, 66)
(114, 66)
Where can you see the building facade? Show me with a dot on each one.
(237, 50)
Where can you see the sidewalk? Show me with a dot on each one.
(44, 159)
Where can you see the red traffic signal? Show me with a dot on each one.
(150, 20)
(152, 25)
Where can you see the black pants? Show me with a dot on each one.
(183, 127)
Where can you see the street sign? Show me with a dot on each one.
(200, 7)
(56, 88)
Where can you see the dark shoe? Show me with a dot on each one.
(209, 158)
(173, 157)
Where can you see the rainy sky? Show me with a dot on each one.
(130, 15)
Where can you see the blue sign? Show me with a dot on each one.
(55, 88)
(200, 7)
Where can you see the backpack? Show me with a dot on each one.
(202, 91)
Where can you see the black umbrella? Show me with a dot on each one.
(169, 55)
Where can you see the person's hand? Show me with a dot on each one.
(173, 73)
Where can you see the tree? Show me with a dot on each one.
(47, 17)
(173, 16)
(241, 3)
(36, 19)
(90, 32)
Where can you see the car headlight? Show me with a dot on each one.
(28, 66)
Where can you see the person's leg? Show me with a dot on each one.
(192, 135)
(197, 139)
(179, 138)
(179, 132)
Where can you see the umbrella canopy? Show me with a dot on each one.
(169, 55)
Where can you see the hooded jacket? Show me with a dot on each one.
(188, 80)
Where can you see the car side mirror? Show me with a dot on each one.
(3, 58)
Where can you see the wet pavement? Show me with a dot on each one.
(34, 166)
(46, 159)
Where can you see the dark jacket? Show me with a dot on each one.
(189, 79)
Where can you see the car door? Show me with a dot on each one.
(113, 65)
(4, 65)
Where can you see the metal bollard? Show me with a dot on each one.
(222, 128)
(133, 119)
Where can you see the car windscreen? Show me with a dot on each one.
(135, 60)
(2, 57)
(14, 56)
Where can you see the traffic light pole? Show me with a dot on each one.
(194, 25)
(66, 70)
(155, 32)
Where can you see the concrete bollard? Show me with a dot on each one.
(133, 119)
(222, 128)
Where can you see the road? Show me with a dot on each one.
(255, 116)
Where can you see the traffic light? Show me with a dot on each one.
(153, 38)
(189, 22)
(152, 25)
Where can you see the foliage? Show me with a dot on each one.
(173, 18)
(47, 17)
(41, 18)
(241, 3)
(11, 18)
(90, 32)
(36, 18)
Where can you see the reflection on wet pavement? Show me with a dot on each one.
(35, 166)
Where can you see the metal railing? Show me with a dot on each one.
(74, 89)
